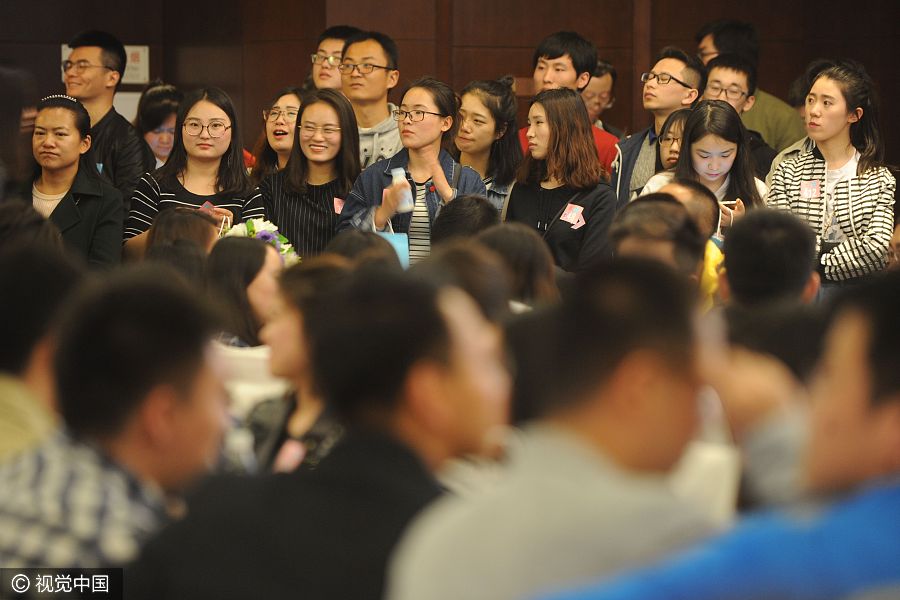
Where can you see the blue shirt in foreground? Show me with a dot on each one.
(849, 550)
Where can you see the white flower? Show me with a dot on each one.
(263, 225)
(239, 230)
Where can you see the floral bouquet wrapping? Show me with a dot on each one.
(268, 233)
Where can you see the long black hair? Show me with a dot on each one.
(506, 152)
(157, 102)
(347, 159)
(266, 158)
(717, 117)
(859, 91)
(232, 265)
(232, 177)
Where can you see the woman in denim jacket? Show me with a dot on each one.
(427, 120)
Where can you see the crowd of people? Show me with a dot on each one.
(421, 351)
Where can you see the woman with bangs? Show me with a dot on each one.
(306, 198)
(562, 190)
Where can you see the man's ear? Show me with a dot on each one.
(690, 97)
(751, 100)
(811, 289)
(158, 414)
(724, 289)
(112, 78)
(393, 78)
(424, 399)
(582, 81)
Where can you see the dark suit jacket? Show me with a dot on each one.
(91, 219)
(120, 154)
(317, 534)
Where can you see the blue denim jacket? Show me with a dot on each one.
(365, 197)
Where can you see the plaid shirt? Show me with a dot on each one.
(864, 207)
(66, 504)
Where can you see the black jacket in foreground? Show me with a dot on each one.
(120, 153)
(574, 247)
(322, 534)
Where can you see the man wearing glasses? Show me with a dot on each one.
(732, 78)
(674, 82)
(92, 75)
(325, 61)
(368, 72)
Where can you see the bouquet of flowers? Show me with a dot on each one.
(267, 232)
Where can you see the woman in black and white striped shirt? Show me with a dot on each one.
(305, 199)
(205, 170)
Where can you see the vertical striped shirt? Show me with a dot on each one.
(152, 196)
(420, 227)
(308, 220)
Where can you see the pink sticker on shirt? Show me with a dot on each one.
(574, 215)
(338, 205)
(810, 189)
(289, 456)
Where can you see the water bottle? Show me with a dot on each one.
(406, 201)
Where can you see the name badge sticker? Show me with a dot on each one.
(338, 206)
(574, 215)
(810, 189)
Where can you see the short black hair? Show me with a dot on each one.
(703, 205)
(139, 329)
(465, 217)
(692, 64)
(732, 37)
(38, 281)
(364, 248)
(661, 217)
(791, 332)
(737, 63)
(385, 41)
(604, 67)
(473, 268)
(769, 256)
(21, 222)
(114, 55)
(615, 309)
(582, 52)
(337, 32)
(382, 323)
(877, 301)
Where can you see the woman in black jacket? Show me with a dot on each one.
(562, 191)
(68, 190)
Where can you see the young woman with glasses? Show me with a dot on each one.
(305, 198)
(273, 148)
(562, 191)
(427, 122)
(205, 170)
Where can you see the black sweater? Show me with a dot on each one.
(574, 248)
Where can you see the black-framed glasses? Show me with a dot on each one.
(81, 66)
(414, 115)
(669, 140)
(215, 129)
(663, 79)
(310, 129)
(715, 90)
(364, 68)
(274, 114)
(333, 61)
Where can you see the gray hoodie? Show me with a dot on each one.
(380, 141)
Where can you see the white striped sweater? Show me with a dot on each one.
(864, 206)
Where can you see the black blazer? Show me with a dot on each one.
(322, 534)
(91, 219)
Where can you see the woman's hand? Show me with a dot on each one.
(436, 172)
(218, 214)
(731, 214)
(390, 201)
